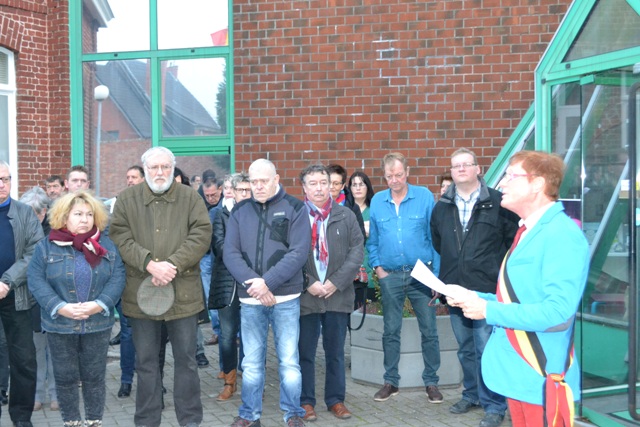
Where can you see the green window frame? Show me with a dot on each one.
(196, 145)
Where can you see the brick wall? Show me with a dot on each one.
(348, 81)
(37, 32)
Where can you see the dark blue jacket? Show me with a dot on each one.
(51, 281)
(276, 252)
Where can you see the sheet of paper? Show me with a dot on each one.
(425, 276)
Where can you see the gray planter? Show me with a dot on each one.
(367, 357)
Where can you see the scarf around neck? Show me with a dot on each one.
(318, 239)
(342, 197)
(87, 243)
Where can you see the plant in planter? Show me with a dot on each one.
(366, 346)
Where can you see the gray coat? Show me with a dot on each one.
(345, 244)
(27, 232)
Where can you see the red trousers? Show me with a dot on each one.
(525, 414)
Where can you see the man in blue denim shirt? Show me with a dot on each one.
(399, 235)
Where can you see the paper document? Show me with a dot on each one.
(423, 275)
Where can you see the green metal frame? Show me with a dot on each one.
(186, 146)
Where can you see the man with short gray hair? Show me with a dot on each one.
(20, 231)
(162, 230)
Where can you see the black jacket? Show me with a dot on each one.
(223, 285)
(472, 259)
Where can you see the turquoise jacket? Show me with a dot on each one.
(548, 271)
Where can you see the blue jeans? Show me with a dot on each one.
(127, 350)
(45, 369)
(80, 357)
(255, 321)
(186, 390)
(472, 337)
(395, 288)
(334, 332)
(206, 267)
(229, 327)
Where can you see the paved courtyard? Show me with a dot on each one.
(409, 408)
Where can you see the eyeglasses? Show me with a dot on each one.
(156, 168)
(337, 184)
(242, 190)
(358, 185)
(5, 179)
(462, 166)
(508, 176)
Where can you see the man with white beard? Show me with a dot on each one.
(162, 230)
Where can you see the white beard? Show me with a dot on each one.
(158, 188)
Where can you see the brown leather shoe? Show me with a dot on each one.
(229, 387)
(340, 411)
(385, 392)
(309, 413)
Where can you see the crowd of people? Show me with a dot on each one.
(171, 252)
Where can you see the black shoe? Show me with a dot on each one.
(491, 420)
(4, 399)
(125, 390)
(115, 340)
(23, 424)
(462, 407)
(385, 392)
(202, 360)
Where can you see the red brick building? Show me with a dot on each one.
(337, 81)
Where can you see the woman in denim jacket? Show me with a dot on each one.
(77, 276)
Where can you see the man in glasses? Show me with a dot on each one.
(472, 233)
(20, 230)
(399, 236)
(162, 230)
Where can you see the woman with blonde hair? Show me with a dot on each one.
(77, 276)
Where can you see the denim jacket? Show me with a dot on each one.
(50, 278)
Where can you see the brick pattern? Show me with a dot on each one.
(37, 32)
(348, 81)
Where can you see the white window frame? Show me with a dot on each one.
(9, 90)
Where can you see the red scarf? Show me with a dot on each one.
(341, 198)
(87, 243)
(318, 239)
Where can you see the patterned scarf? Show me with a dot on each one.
(341, 198)
(318, 239)
(87, 243)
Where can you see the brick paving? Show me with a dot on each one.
(409, 408)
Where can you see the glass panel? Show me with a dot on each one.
(120, 125)
(605, 222)
(193, 97)
(196, 165)
(4, 128)
(192, 23)
(126, 29)
(612, 25)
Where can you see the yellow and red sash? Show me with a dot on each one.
(557, 395)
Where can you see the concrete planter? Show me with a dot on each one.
(367, 356)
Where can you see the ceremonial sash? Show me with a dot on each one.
(557, 396)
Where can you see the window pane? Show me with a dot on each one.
(4, 128)
(193, 97)
(192, 23)
(613, 25)
(126, 28)
(195, 165)
(121, 123)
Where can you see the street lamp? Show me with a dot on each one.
(100, 93)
